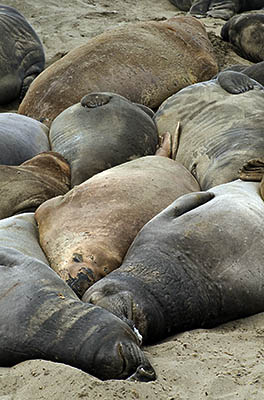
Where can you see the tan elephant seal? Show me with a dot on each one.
(23, 188)
(85, 234)
(145, 62)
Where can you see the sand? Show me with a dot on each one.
(221, 363)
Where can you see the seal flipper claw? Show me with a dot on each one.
(236, 82)
(143, 374)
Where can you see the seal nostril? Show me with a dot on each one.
(77, 257)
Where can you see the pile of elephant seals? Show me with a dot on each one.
(196, 264)
(86, 233)
(21, 138)
(41, 317)
(22, 55)
(102, 131)
(224, 9)
(246, 33)
(221, 126)
(117, 62)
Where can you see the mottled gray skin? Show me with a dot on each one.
(21, 138)
(221, 126)
(41, 317)
(100, 132)
(246, 33)
(21, 55)
(198, 263)
(224, 9)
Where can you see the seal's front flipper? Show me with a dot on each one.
(186, 203)
(236, 82)
(199, 8)
(252, 170)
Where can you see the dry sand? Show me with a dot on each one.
(222, 363)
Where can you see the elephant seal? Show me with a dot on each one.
(196, 264)
(246, 33)
(41, 317)
(254, 71)
(102, 131)
(85, 234)
(22, 55)
(145, 62)
(25, 187)
(21, 138)
(224, 9)
(221, 126)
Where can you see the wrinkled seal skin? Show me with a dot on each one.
(25, 187)
(145, 62)
(85, 234)
(21, 55)
(102, 131)
(224, 9)
(246, 33)
(196, 264)
(21, 138)
(221, 126)
(41, 317)
(254, 71)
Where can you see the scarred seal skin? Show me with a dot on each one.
(21, 138)
(102, 131)
(21, 54)
(246, 33)
(224, 9)
(221, 126)
(85, 234)
(196, 264)
(145, 62)
(41, 317)
(23, 188)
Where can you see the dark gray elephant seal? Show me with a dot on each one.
(224, 9)
(100, 132)
(21, 54)
(254, 71)
(196, 264)
(41, 317)
(221, 126)
(246, 33)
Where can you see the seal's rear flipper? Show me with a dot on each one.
(236, 82)
(252, 170)
(186, 203)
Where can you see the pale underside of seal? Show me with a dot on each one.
(86, 233)
(145, 62)
(196, 264)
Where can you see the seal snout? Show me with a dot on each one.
(82, 281)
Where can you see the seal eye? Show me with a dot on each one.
(77, 257)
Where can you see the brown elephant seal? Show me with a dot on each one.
(85, 234)
(224, 9)
(21, 138)
(41, 317)
(196, 264)
(102, 131)
(23, 188)
(145, 62)
(221, 126)
(21, 54)
(246, 33)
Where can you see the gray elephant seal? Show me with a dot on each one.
(254, 71)
(21, 138)
(21, 54)
(196, 264)
(246, 33)
(224, 9)
(41, 317)
(110, 130)
(221, 126)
